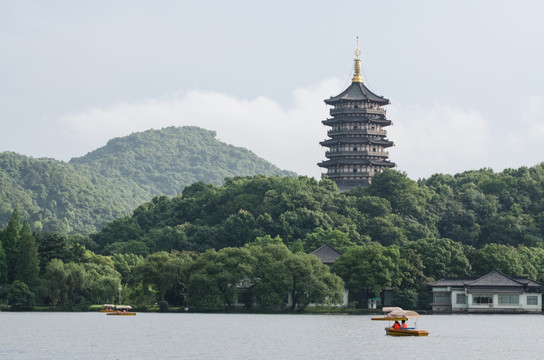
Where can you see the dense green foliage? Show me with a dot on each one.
(71, 277)
(89, 191)
(473, 209)
(245, 242)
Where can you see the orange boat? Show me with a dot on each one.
(121, 313)
(405, 332)
(121, 310)
(397, 314)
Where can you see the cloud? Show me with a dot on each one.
(526, 138)
(443, 139)
(437, 138)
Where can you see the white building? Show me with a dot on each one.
(494, 292)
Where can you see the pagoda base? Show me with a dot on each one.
(345, 185)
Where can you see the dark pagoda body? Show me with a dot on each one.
(357, 139)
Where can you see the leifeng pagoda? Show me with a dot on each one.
(357, 140)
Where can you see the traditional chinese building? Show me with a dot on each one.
(357, 144)
(494, 292)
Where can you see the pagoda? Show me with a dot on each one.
(357, 139)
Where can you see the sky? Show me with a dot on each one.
(465, 78)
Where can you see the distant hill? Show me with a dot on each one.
(90, 191)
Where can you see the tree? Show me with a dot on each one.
(266, 286)
(532, 260)
(20, 297)
(27, 268)
(10, 238)
(215, 277)
(368, 270)
(3, 266)
(105, 289)
(54, 284)
(511, 228)
(309, 281)
(239, 229)
(52, 246)
(500, 257)
(385, 230)
(167, 273)
(77, 284)
(301, 221)
(404, 195)
(125, 264)
(441, 258)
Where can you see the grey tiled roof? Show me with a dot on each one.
(357, 91)
(495, 278)
(356, 140)
(343, 161)
(327, 254)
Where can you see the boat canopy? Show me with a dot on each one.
(397, 313)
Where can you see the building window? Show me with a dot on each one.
(354, 149)
(461, 299)
(355, 170)
(532, 300)
(441, 298)
(482, 299)
(509, 299)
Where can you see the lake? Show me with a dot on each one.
(35, 335)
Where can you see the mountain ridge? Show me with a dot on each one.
(87, 192)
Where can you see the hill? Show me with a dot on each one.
(90, 191)
(163, 162)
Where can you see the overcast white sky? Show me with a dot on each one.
(465, 78)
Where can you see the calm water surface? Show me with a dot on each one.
(226, 336)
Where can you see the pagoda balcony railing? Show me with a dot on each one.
(379, 132)
(356, 111)
(329, 154)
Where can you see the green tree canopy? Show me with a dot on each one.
(20, 297)
(27, 267)
(441, 258)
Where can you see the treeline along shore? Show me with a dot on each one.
(246, 243)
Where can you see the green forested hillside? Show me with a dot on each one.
(53, 195)
(88, 192)
(164, 161)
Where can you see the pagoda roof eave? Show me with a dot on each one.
(328, 163)
(334, 120)
(386, 143)
(357, 91)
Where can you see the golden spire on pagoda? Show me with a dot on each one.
(357, 77)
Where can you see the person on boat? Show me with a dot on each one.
(396, 325)
(404, 324)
